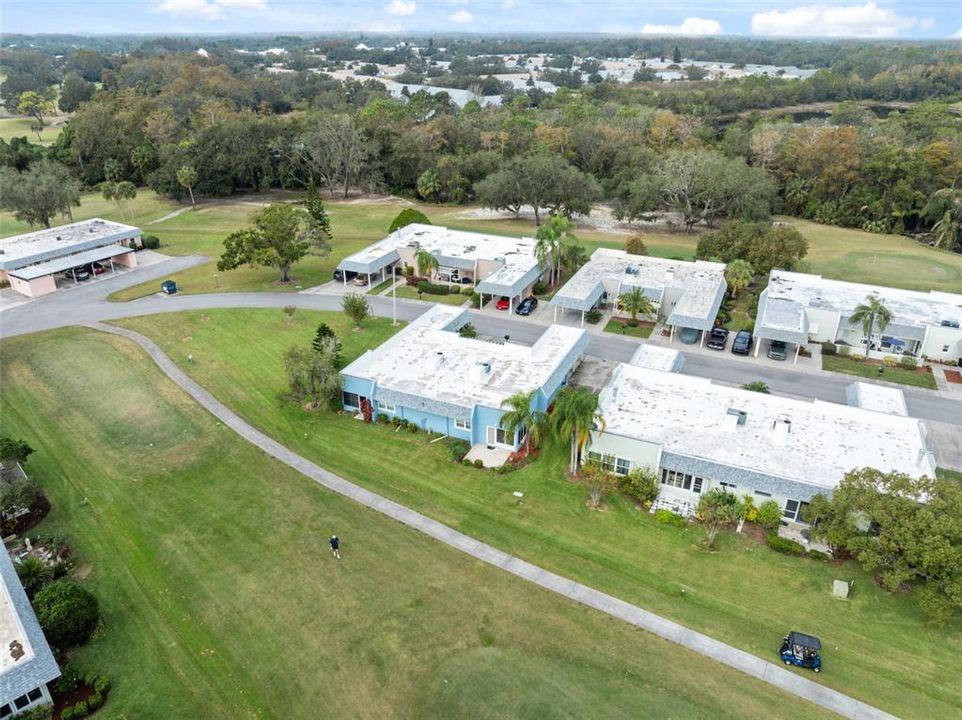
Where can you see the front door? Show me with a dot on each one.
(497, 436)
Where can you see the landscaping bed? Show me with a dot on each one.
(917, 377)
(623, 326)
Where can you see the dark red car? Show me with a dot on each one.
(502, 303)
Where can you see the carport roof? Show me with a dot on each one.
(48, 244)
(782, 319)
(32, 272)
(518, 272)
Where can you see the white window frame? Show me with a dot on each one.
(497, 429)
(387, 407)
(345, 393)
(462, 424)
(622, 466)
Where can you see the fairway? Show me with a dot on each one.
(220, 600)
(882, 650)
(11, 127)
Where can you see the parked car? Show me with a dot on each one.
(801, 650)
(339, 275)
(718, 338)
(95, 268)
(527, 306)
(742, 343)
(689, 336)
(778, 350)
(361, 280)
(77, 273)
(503, 303)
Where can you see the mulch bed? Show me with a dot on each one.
(640, 323)
(953, 376)
(61, 701)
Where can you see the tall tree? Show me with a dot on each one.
(426, 262)
(870, 314)
(762, 245)
(356, 307)
(408, 216)
(312, 374)
(717, 510)
(74, 91)
(12, 451)
(320, 221)
(521, 415)
(334, 150)
(739, 274)
(36, 105)
(635, 245)
(279, 236)
(36, 195)
(575, 415)
(550, 239)
(187, 178)
(118, 191)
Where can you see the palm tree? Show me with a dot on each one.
(575, 416)
(520, 415)
(635, 301)
(868, 314)
(33, 573)
(544, 250)
(573, 256)
(549, 242)
(427, 263)
(738, 273)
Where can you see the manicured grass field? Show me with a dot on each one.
(878, 647)
(412, 294)
(219, 598)
(11, 127)
(841, 364)
(619, 328)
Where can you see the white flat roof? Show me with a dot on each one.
(877, 398)
(50, 243)
(426, 360)
(908, 307)
(656, 357)
(66, 262)
(11, 630)
(702, 283)
(692, 416)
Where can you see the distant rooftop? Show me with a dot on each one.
(49, 243)
(809, 442)
(655, 357)
(702, 284)
(877, 398)
(20, 631)
(428, 359)
(913, 308)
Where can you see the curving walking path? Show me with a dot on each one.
(770, 673)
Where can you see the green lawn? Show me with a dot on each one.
(379, 288)
(219, 598)
(879, 647)
(11, 127)
(842, 364)
(620, 328)
(411, 293)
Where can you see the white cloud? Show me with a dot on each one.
(207, 9)
(400, 7)
(868, 20)
(507, 4)
(957, 34)
(462, 17)
(689, 26)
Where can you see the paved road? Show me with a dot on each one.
(775, 675)
(86, 305)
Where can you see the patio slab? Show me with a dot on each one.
(490, 457)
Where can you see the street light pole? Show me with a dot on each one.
(394, 293)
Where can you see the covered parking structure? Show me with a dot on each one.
(512, 281)
(31, 260)
(371, 261)
(781, 319)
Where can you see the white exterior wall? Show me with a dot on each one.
(937, 337)
(826, 321)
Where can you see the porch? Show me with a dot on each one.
(490, 456)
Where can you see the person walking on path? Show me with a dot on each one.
(335, 546)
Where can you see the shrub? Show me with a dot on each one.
(717, 509)
(857, 357)
(34, 573)
(819, 555)
(749, 512)
(478, 464)
(784, 545)
(505, 469)
(457, 449)
(95, 700)
(70, 679)
(41, 712)
(467, 290)
(67, 713)
(889, 361)
(829, 348)
(769, 515)
(468, 331)
(68, 613)
(150, 242)
(540, 288)
(593, 316)
(475, 300)
(641, 485)
(844, 350)
(408, 271)
(667, 517)
(432, 288)
(81, 709)
(467, 462)
(908, 362)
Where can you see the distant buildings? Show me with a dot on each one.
(799, 308)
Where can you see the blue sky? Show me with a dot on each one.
(793, 18)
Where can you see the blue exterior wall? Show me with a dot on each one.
(365, 388)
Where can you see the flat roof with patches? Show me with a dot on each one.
(815, 443)
(428, 359)
(51, 243)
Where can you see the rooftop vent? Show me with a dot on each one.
(736, 417)
(438, 359)
(631, 270)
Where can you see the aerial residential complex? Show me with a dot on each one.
(26, 662)
(429, 375)
(686, 294)
(799, 308)
(30, 262)
(500, 266)
(697, 435)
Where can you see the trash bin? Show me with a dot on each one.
(169, 287)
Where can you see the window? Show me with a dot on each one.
(5, 711)
(21, 702)
(793, 510)
(497, 436)
(729, 487)
(352, 400)
(696, 484)
(462, 424)
(945, 348)
(622, 466)
(35, 695)
(762, 493)
(387, 407)
(674, 478)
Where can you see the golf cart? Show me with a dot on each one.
(801, 650)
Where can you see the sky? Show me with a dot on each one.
(779, 18)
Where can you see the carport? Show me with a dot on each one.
(35, 280)
(511, 280)
(368, 262)
(578, 298)
(781, 319)
(696, 310)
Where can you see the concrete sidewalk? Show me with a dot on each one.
(789, 681)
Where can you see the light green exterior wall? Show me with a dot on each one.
(640, 453)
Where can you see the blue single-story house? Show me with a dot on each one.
(429, 375)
